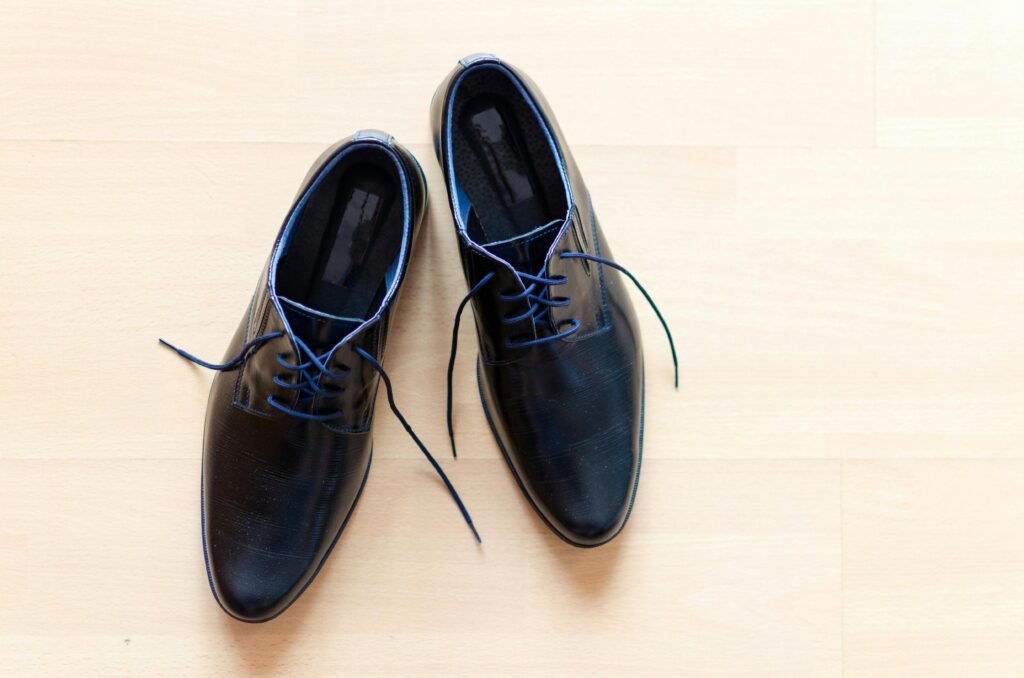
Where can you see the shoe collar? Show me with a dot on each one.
(458, 198)
(325, 325)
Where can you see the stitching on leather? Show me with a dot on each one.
(237, 390)
(377, 333)
(497, 363)
(252, 307)
(374, 339)
(345, 429)
(546, 231)
(605, 316)
(259, 413)
(306, 314)
(600, 268)
(245, 405)
(576, 339)
(480, 344)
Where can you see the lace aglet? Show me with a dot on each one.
(475, 533)
(232, 364)
(451, 424)
(174, 348)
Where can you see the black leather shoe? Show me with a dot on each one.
(288, 427)
(560, 367)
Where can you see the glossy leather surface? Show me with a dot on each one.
(567, 413)
(277, 489)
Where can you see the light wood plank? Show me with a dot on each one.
(730, 568)
(949, 73)
(933, 568)
(134, 241)
(824, 198)
(657, 72)
(790, 347)
(892, 195)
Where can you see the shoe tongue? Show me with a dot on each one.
(527, 252)
(320, 331)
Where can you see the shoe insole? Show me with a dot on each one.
(505, 189)
(359, 244)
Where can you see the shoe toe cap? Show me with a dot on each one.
(253, 586)
(590, 509)
(585, 489)
(581, 478)
(590, 524)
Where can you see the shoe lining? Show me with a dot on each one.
(502, 159)
(342, 251)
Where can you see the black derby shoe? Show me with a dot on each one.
(560, 366)
(288, 426)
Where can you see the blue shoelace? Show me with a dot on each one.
(308, 383)
(540, 302)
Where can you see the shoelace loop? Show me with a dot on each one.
(308, 382)
(540, 303)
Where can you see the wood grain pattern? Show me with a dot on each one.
(823, 197)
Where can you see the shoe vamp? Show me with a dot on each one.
(277, 485)
(571, 423)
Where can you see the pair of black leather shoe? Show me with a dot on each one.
(288, 443)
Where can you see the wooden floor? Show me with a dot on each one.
(826, 198)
